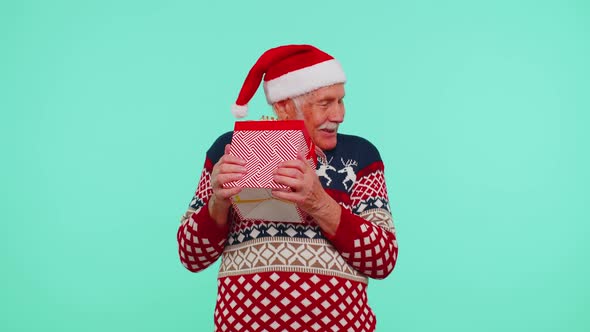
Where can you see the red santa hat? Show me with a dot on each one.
(288, 71)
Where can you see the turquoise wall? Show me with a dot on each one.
(479, 108)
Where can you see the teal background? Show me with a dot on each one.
(479, 109)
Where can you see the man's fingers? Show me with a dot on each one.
(290, 182)
(286, 195)
(232, 168)
(228, 193)
(228, 177)
(290, 172)
(227, 169)
(230, 159)
(298, 164)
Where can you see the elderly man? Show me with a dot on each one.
(310, 276)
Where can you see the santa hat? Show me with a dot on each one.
(288, 71)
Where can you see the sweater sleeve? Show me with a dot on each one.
(365, 236)
(200, 240)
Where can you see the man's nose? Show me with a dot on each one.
(337, 113)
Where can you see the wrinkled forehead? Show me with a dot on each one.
(335, 91)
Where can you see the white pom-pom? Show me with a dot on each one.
(239, 111)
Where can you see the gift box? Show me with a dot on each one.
(265, 144)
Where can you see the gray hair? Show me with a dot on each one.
(299, 101)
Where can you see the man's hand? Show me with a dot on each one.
(229, 168)
(307, 192)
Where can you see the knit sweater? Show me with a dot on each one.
(277, 276)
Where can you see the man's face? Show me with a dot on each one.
(323, 111)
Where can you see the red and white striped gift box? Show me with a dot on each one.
(265, 144)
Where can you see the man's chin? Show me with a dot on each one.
(325, 139)
(327, 144)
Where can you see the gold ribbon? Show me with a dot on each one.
(237, 200)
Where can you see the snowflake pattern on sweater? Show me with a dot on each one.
(277, 276)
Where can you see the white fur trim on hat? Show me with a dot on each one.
(239, 111)
(304, 80)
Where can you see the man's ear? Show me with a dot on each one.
(285, 109)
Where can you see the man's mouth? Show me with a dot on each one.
(329, 128)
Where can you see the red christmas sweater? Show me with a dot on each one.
(277, 276)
